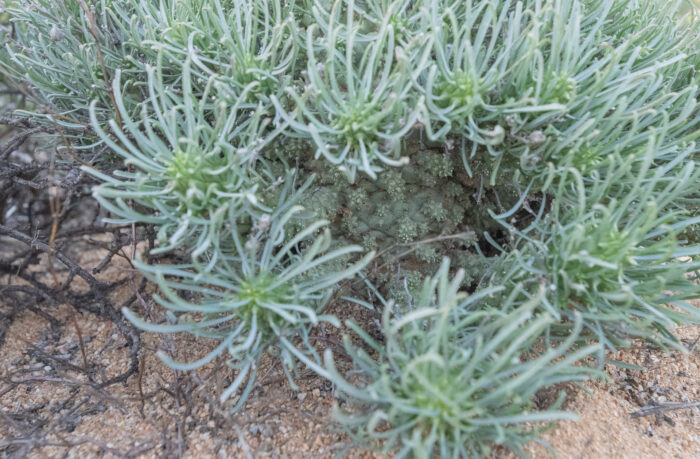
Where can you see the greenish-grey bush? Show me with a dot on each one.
(548, 148)
(450, 378)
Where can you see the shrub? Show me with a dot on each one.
(613, 251)
(455, 373)
(548, 148)
(255, 296)
(189, 157)
(357, 103)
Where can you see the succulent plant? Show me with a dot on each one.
(613, 251)
(455, 374)
(188, 158)
(260, 294)
(356, 102)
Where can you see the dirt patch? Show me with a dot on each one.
(607, 427)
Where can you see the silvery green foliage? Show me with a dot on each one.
(260, 294)
(356, 102)
(71, 64)
(611, 249)
(53, 48)
(190, 158)
(549, 148)
(452, 376)
(256, 284)
(529, 85)
(248, 46)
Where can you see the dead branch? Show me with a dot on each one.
(660, 408)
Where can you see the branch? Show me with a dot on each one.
(44, 247)
(648, 410)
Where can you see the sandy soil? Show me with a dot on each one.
(51, 407)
